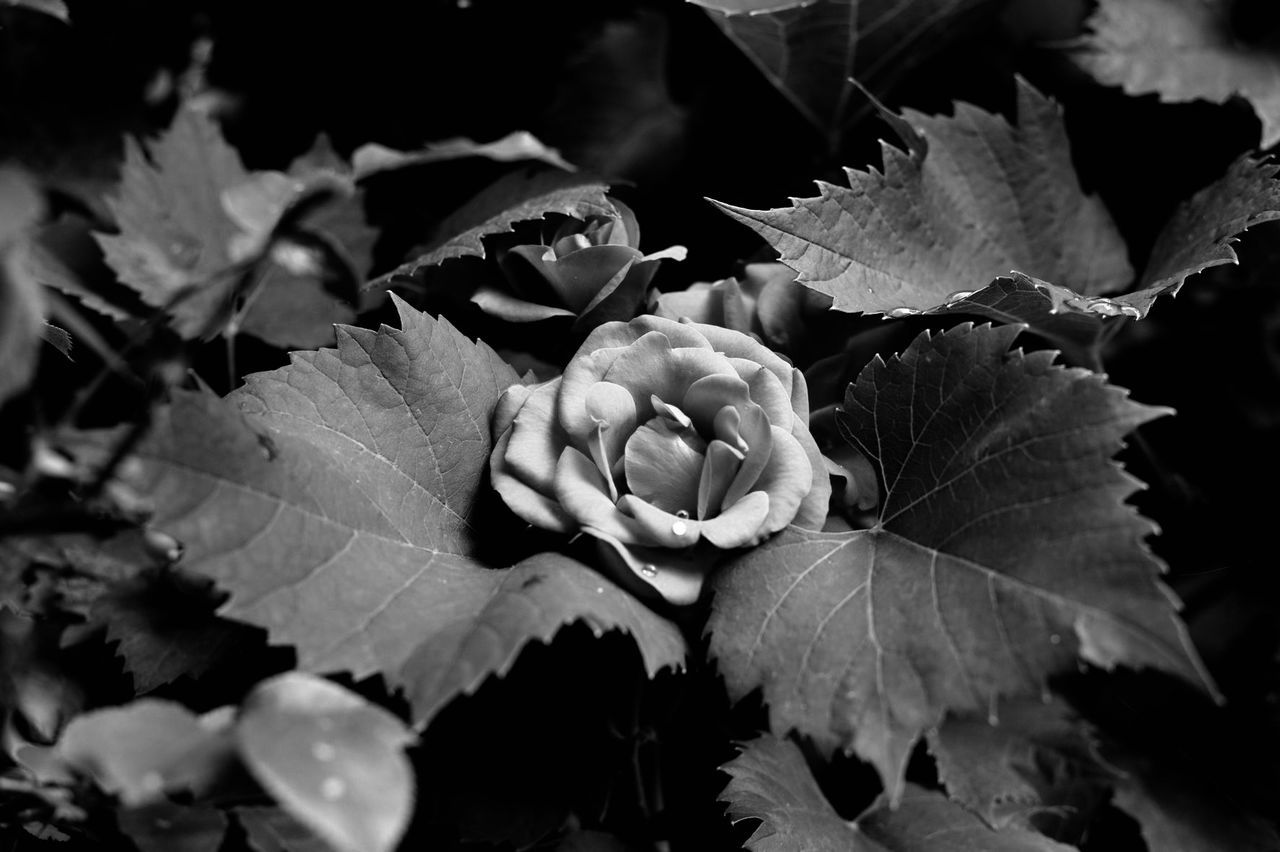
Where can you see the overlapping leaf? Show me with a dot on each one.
(812, 51)
(338, 514)
(974, 199)
(1183, 50)
(771, 782)
(1003, 552)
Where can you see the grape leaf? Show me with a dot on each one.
(372, 159)
(331, 759)
(1199, 233)
(337, 514)
(1182, 50)
(974, 199)
(273, 830)
(812, 52)
(997, 770)
(771, 782)
(174, 232)
(1002, 552)
(515, 197)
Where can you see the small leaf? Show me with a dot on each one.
(331, 759)
(516, 197)
(771, 782)
(1200, 232)
(372, 159)
(974, 199)
(1182, 50)
(169, 827)
(1003, 552)
(273, 830)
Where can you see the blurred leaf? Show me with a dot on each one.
(771, 782)
(169, 827)
(974, 199)
(331, 759)
(54, 8)
(750, 7)
(21, 303)
(273, 830)
(1183, 50)
(372, 159)
(1002, 553)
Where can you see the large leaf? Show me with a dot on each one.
(1200, 232)
(1183, 50)
(974, 199)
(516, 197)
(811, 52)
(333, 760)
(1002, 552)
(770, 782)
(338, 514)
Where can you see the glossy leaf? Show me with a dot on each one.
(1002, 553)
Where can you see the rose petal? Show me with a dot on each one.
(663, 465)
(661, 528)
(718, 470)
(799, 396)
(577, 277)
(512, 309)
(728, 428)
(509, 405)
(706, 396)
(583, 495)
(536, 440)
(676, 575)
(737, 345)
(741, 524)
(813, 509)
(786, 479)
(531, 506)
(620, 298)
(613, 410)
(679, 420)
(650, 368)
(757, 432)
(769, 394)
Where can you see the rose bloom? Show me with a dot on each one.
(668, 442)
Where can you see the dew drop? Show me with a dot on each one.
(682, 515)
(959, 296)
(1055, 639)
(649, 570)
(679, 528)
(333, 788)
(899, 313)
(323, 751)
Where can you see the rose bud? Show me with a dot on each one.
(668, 442)
(591, 271)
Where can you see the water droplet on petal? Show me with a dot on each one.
(333, 788)
(679, 528)
(682, 515)
(959, 296)
(323, 751)
(899, 313)
(649, 570)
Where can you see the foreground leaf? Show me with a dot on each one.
(338, 514)
(974, 199)
(333, 760)
(1002, 552)
(1200, 232)
(1182, 50)
(771, 782)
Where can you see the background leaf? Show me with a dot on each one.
(974, 199)
(373, 159)
(1183, 50)
(21, 304)
(1002, 551)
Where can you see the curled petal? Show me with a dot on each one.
(530, 505)
(741, 524)
(727, 426)
(663, 465)
(613, 411)
(737, 345)
(758, 434)
(578, 277)
(799, 396)
(771, 395)
(508, 407)
(583, 494)
(649, 367)
(676, 575)
(536, 440)
(812, 513)
(706, 396)
(786, 479)
(718, 471)
(511, 308)
(661, 528)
